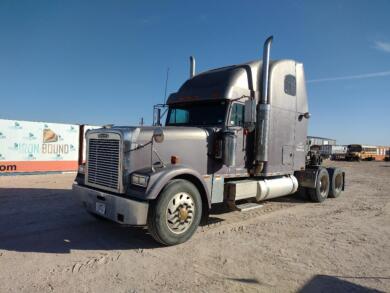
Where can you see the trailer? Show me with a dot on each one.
(334, 152)
(231, 133)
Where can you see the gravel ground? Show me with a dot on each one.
(49, 243)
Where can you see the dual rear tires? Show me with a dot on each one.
(336, 182)
(175, 215)
(329, 183)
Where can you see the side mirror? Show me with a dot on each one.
(306, 115)
(158, 135)
(250, 111)
(250, 114)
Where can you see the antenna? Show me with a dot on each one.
(166, 86)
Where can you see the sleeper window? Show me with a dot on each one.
(290, 85)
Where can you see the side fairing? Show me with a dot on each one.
(288, 128)
(301, 124)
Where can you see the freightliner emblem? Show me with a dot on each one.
(103, 135)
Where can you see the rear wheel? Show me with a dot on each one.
(175, 215)
(336, 182)
(320, 193)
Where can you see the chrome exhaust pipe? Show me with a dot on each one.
(263, 112)
(265, 70)
(192, 66)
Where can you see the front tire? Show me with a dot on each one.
(175, 215)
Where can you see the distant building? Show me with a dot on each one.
(315, 140)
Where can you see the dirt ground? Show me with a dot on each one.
(49, 243)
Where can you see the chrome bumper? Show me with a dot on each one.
(118, 209)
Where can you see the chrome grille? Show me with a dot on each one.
(103, 163)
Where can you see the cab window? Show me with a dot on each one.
(237, 115)
(208, 113)
(178, 116)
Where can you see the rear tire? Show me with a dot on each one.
(320, 193)
(175, 215)
(336, 182)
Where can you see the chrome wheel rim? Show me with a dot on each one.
(324, 182)
(338, 182)
(180, 212)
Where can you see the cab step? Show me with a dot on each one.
(244, 207)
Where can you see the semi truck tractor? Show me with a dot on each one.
(231, 134)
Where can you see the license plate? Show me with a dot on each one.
(100, 208)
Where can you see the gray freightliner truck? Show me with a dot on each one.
(232, 133)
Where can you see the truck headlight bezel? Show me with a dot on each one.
(139, 180)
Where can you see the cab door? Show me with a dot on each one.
(236, 123)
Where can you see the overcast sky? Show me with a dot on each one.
(101, 62)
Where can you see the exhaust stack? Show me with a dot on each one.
(263, 112)
(265, 70)
(192, 66)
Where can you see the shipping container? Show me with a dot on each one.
(27, 146)
(316, 140)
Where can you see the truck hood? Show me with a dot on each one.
(189, 144)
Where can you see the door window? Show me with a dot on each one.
(237, 115)
(179, 116)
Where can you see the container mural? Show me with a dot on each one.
(84, 130)
(38, 146)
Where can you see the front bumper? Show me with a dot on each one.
(118, 209)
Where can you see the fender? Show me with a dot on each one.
(159, 178)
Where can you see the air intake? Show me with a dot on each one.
(103, 163)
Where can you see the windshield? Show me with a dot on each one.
(355, 148)
(197, 114)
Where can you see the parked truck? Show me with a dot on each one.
(334, 152)
(231, 133)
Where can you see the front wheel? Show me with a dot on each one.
(175, 215)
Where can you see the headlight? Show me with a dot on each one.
(139, 180)
(82, 169)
